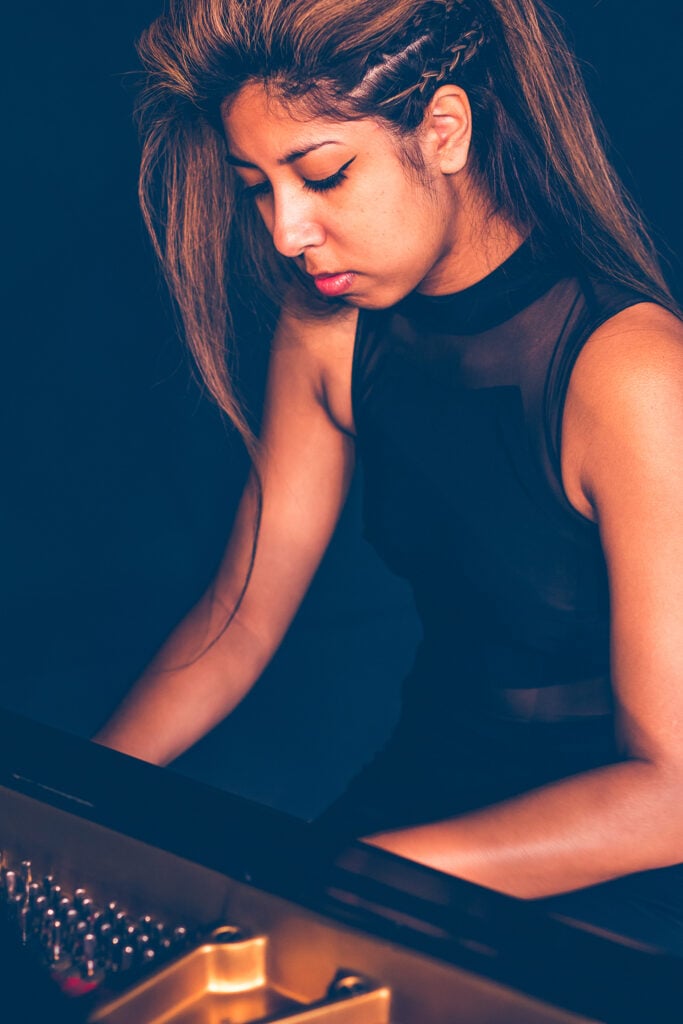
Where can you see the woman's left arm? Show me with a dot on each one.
(622, 457)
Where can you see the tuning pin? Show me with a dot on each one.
(79, 895)
(61, 963)
(120, 921)
(161, 940)
(56, 947)
(35, 892)
(96, 918)
(24, 918)
(127, 957)
(87, 908)
(71, 921)
(148, 956)
(92, 974)
(26, 874)
(11, 884)
(40, 907)
(90, 969)
(64, 905)
(49, 917)
(180, 936)
(113, 956)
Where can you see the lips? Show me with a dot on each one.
(333, 285)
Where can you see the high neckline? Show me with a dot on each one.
(527, 274)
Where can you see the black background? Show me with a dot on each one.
(120, 479)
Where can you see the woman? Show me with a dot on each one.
(470, 303)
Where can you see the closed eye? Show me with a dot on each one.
(262, 188)
(326, 184)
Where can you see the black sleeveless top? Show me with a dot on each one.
(458, 403)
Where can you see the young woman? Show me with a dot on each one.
(470, 306)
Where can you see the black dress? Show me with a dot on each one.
(458, 403)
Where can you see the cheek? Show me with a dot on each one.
(408, 213)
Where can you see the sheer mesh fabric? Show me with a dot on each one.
(458, 405)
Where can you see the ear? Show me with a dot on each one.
(447, 128)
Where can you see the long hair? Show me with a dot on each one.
(536, 147)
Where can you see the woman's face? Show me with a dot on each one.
(336, 196)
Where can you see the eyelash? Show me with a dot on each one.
(320, 185)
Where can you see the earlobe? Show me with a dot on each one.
(448, 128)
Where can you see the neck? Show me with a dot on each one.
(479, 242)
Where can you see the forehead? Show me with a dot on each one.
(258, 124)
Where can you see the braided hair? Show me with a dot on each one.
(536, 151)
(429, 55)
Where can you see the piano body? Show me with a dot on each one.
(262, 923)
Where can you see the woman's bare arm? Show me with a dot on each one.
(623, 464)
(305, 470)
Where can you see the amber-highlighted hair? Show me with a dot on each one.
(536, 149)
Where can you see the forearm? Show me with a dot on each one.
(288, 513)
(199, 675)
(574, 833)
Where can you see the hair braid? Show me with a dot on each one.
(535, 148)
(456, 55)
(433, 45)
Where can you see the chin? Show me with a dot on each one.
(379, 300)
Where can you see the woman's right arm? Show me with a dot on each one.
(203, 670)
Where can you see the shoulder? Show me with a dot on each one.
(318, 348)
(633, 355)
(642, 324)
(625, 397)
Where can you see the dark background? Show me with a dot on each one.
(120, 480)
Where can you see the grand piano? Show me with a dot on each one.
(251, 915)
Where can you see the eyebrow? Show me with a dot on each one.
(290, 158)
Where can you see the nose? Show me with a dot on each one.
(295, 226)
